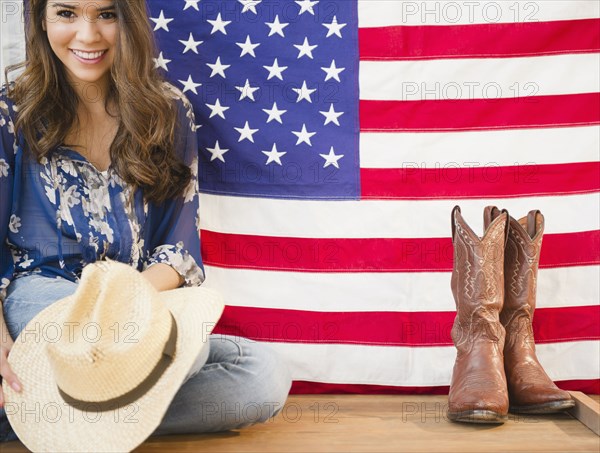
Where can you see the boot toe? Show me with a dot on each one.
(539, 402)
(477, 416)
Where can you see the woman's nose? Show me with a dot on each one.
(88, 30)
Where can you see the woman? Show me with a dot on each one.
(98, 158)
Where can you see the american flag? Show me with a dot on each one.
(335, 136)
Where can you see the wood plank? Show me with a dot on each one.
(587, 411)
(380, 423)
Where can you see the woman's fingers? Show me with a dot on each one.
(7, 374)
(6, 371)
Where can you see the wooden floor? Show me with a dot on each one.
(369, 423)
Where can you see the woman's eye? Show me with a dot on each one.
(108, 15)
(67, 14)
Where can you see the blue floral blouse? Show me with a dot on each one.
(61, 214)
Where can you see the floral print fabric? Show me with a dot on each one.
(62, 213)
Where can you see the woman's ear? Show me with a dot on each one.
(44, 24)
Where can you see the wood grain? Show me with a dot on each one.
(380, 423)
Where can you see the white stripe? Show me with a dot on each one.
(485, 78)
(383, 292)
(382, 13)
(383, 219)
(480, 148)
(419, 367)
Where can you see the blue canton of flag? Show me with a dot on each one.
(274, 86)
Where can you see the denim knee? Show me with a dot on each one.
(272, 380)
(243, 383)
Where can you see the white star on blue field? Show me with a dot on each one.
(275, 92)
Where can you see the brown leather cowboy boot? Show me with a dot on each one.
(530, 389)
(478, 391)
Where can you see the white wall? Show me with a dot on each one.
(12, 34)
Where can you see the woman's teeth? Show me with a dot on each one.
(89, 55)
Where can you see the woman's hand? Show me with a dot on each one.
(6, 372)
(163, 277)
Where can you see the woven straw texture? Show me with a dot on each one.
(43, 421)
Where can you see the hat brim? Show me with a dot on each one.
(44, 421)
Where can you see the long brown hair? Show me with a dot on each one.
(143, 150)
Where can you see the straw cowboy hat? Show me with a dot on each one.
(100, 367)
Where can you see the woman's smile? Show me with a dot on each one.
(89, 57)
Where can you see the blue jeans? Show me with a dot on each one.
(236, 383)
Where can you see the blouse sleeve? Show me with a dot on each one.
(177, 234)
(7, 158)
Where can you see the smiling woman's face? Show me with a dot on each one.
(83, 36)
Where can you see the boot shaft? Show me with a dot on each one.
(521, 261)
(478, 279)
(522, 258)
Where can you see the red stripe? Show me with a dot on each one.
(550, 325)
(480, 114)
(555, 253)
(455, 181)
(479, 40)
(316, 388)
(372, 255)
(590, 386)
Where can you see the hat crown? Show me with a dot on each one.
(113, 335)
